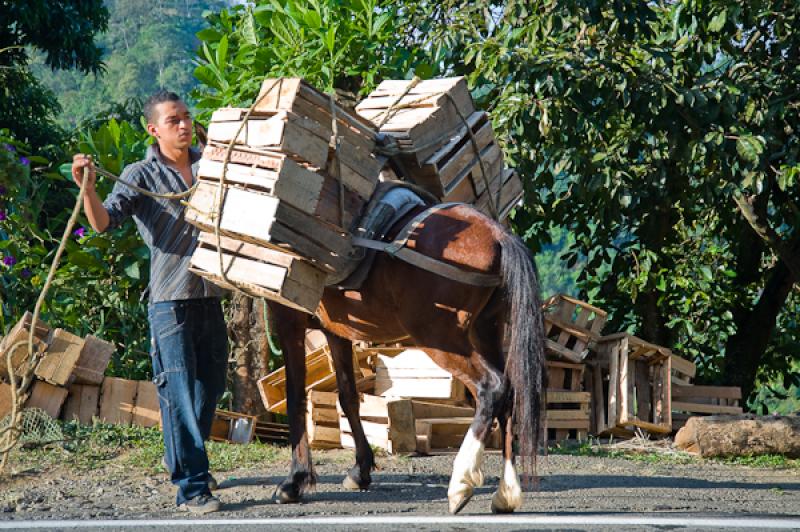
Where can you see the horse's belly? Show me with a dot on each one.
(356, 316)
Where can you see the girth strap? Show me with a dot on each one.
(398, 249)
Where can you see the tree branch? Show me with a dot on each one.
(758, 222)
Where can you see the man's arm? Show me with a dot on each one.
(92, 204)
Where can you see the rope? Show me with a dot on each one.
(335, 143)
(10, 434)
(392, 109)
(169, 195)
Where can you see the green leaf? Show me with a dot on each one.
(222, 53)
(717, 22)
(84, 260)
(132, 271)
(750, 148)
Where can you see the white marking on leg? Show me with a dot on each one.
(508, 496)
(467, 473)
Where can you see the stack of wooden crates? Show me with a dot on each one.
(445, 145)
(281, 216)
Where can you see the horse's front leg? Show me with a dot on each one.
(342, 352)
(290, 326)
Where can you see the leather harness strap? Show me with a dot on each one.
(398, 249)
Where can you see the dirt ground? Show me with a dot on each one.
(416, 486)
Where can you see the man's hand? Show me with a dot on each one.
(79, 162)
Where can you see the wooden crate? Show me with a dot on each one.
(322, 420)
(261, 218)
(447, 434)
(302, 138)
(320, 376)
(638, 387)
(571, 326)
(511, 194)
(412, 374)
(683, 371)
(82, 403)
(93, 361)
(568, 415)
(19, 333)
(388, 423)
(275, 275)
(427, 115)
(117, 400)
(232, 427)
(688, 401)
(272, 432)
(59, 361)
(5, 400)
(146, 410)
(46, 396)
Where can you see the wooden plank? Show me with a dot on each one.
(146, 411)
(717, 392)
(93, 361)
(703, 408)
(402, 431)
(683, 366)
(567, 397)
(442, 388)
(82, 403)
(48, 397)
(117, 400)
(424, 409)
(60, 359)
(554, 349)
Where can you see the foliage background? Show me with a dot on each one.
(643, 131)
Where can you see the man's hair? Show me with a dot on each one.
(158, 97)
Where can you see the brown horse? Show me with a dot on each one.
(488, 337)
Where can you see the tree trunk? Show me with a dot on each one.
(250, 351)
(744, 435)
(744, 350)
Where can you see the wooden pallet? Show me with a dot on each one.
(688, 401)
(571, 327)
(638, 387)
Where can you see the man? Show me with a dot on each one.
(188, 334)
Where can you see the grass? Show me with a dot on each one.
(86, 448)
(659, 456)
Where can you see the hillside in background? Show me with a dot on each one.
(148, 45)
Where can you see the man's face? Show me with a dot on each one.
(173, 125)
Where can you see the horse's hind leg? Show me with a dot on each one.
(487, 384)
(290, 327)
(508, 496)
(342, 352)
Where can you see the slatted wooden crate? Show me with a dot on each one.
(688, 401)
(322, 420)
(683, 371)
(47, 397)
(19, 333)
(117, 400)
(638, 386)
(272, 432)
(423, 118)
(568, 415)
(276, 275)
(388, 423)
(93, 361)
(412, 374)
(568, 406)
(232, 427)
(571, 326)
(59, 361)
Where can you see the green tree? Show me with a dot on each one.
(63, 31)
(664, 136)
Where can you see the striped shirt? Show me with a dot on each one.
(161, 224)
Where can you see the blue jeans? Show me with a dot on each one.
(189, 350)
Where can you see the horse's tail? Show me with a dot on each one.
(525, 362)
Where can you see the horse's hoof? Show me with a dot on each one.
(286, 496)
(498, 510)
(457, 502)
(350, 484)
